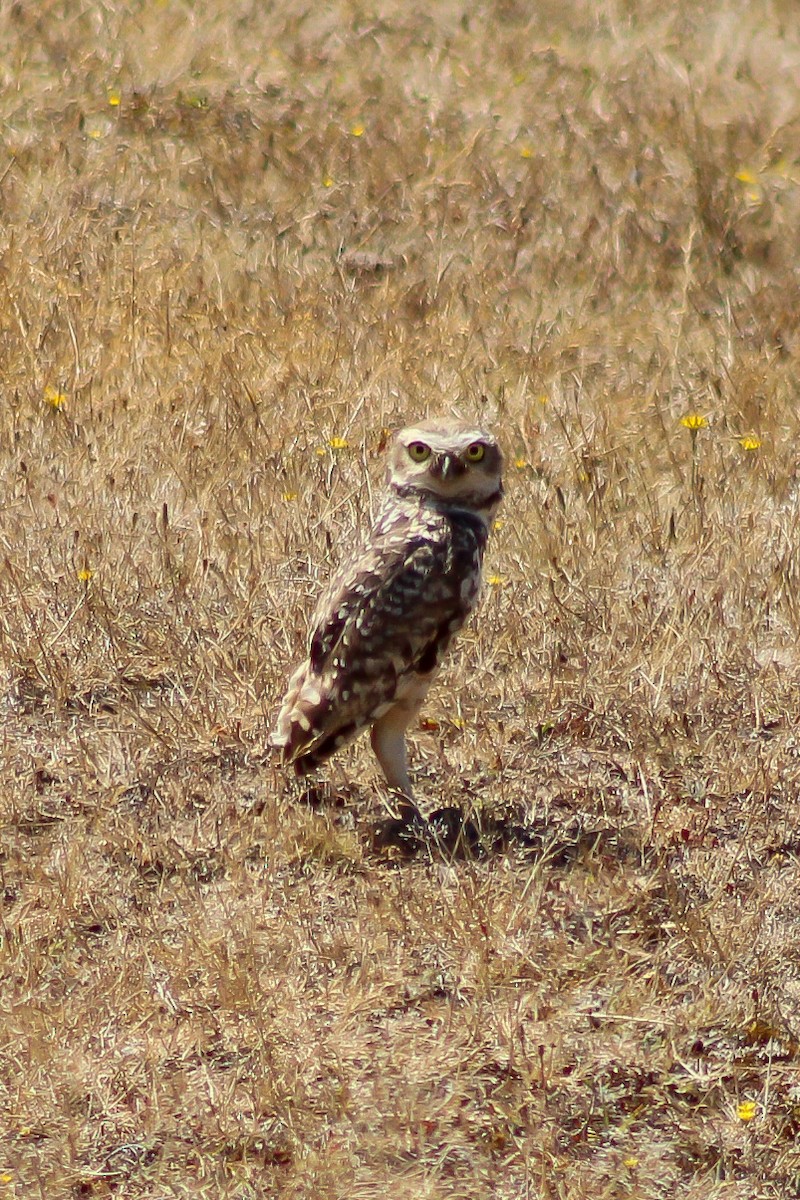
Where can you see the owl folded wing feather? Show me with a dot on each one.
(388, 618)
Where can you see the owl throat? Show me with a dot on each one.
(470, 504)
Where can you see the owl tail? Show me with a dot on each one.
(295, 719)
(300, 733)
(305, 732)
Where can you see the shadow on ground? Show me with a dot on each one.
(453, 833)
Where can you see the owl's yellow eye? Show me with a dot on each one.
(476, 452)
(419, 451)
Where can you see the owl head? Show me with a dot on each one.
(450, 461)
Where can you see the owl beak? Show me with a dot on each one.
(447, 466)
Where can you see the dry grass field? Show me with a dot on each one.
(238, 243)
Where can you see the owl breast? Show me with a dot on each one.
(452, 579)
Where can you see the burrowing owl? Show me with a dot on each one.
(386, 619)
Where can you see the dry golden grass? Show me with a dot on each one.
(232, 232)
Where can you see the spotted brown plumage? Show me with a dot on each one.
(386, 619)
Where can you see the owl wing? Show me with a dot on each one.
(390, 616)
(388, 609)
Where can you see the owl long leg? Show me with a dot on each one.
(389, 743)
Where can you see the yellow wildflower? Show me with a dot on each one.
(520, 463)
(746, 1110)
(631, 1162)
(694, 421)
(337, 443)
(498, 524)
(782, 167)
(327, 182)
(85, 574)
(753, 191)
(114, 97)
(526, 152)
(357, 130)
(496, 580)
(54, 397)
(289, 496)
(750, 442)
